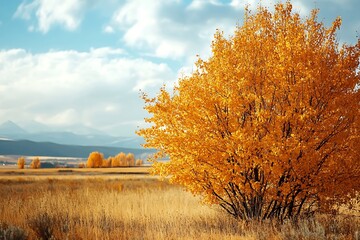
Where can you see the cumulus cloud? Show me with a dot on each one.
(180, 30)
(98, 88)
(177, 29)
(173, 29)
(68, 13)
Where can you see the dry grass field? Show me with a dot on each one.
(7, 173)
(129, 204)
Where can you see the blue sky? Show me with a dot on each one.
(73, 63)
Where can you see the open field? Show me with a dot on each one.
(61, 173)
(124, 203)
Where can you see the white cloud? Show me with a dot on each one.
(64, 118)
(106, 51)
(173, 29)
(199, 4)
(108, 29)
(25, 10)
(178, 30)
(98, 88)
(67, 13)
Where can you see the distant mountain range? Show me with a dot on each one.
(88, 137)
(15, 140)
(10, 128)
(30, 148)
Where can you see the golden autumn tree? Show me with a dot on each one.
(130, 160)
(268, 126)
(121, 159)
(21, 162)
(95, 160)
(108, 162)
(139, 162)
(115, 161)
(36, 163)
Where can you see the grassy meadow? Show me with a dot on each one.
(127, 203)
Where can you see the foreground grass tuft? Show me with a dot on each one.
(11, 232)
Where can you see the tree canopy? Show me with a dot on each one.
(95, 160)
(268, 126)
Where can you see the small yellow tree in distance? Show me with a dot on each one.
(121, 159)
(115, 162)
(36, 163)
(130, 160)
(95, 160)
(139, 162)
(268, 127)
(21, 162)
(106, 163)
(81, 165)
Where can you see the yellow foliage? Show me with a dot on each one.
(130, 160)
(106, 162)
(35, 164)
(270, 123)
(95, 160)
(119, 160)
(21, 162)
(115, 162)
(139, 162)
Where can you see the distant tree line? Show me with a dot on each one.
(35, 163)
(97, 160)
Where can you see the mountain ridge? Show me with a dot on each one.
(11, 130)
(9, 127)
(31, 148)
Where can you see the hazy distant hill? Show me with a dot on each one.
(30, 148)
(10, 130)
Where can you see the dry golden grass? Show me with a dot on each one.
(135, 206)
(74, 171)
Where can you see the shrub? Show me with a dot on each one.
(21, 162)
(139, 162)
(35, 164)
(9, 232)
(42, 225)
